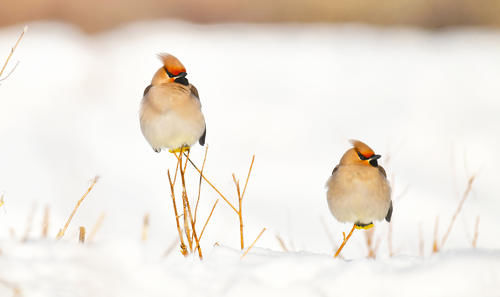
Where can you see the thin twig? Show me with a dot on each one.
(208, 219)
(171, 247)
(240, 213)
(81, 235)
(435, 246)
(476, 233)
(344, 242)
(183, 245)
(199, 186)
(145, 227)
(459, 208)
(282, 243)
(12, 50)
(213, 187)
(248, 176)
(253, 243)
(185, 197)
(45, 222)
(96, 227)
(61, 232)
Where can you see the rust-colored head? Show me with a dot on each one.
(172, 71)
(360, 154)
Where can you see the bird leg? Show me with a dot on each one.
(345, 241)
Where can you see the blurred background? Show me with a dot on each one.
(96, 15)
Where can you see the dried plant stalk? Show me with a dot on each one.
(328, 234)
(369, 234)
(61, 232)
(81, 235)
(282, 243)
(459, 208)
(476, 233)
(45, 223)
(12, 50)
(96, 227)
(240, 216)
(145, 227)
(171, 247)
(253, 243)
(213, 187)
(389, 240)
(199, 186)
(185, 197)
(248, 176)
(345, 241)
(208, 219)
(435, 247)
(183, 245)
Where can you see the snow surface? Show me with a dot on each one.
(291, 94)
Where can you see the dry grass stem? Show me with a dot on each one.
(199, 186)
(81, 235)
(389, 240)
(183, 245)
(145, 227)
(12, 50)
(476, 233)
(185, 197)
(61, 232)
(248, 176)
(16, 291)
(96, 227)
(372, 249)
(253, 243)
(282, 243)
(213, 187)
(29, 223)
(345, 241)
(435, 246)
(459, 208)
(45, 222)
(240, 214)
(171, 247)
(208, 219)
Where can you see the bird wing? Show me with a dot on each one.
(382, 171)
(146, 90)
(335, 169)
(194, 90)
(389, 213)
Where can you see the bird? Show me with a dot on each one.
(170, 112)
(358, 190)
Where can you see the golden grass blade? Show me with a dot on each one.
(344, 242)
(81, 235)
(240, 213)
(476, 233)
(96, 227)
(435, 246)
(253, 243)
(213, 187)
(282, 243)
(459, 208)
(248, 176)
(61, 232)
(199, 185)
(12, 50)
(45, 222)
(183, 245)
(208, 219)
(145, 227)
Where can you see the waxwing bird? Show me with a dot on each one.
(358, 190)
(170, 114)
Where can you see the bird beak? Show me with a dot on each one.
(182, 74)
(375, 157)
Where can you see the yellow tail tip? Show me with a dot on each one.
(180, 149)
(365, 227)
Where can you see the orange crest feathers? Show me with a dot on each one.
(172, 64)
(362, 148)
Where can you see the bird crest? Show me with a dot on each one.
(362, 148)
(172, 65)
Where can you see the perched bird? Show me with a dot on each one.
(170, 112)
(358, 190)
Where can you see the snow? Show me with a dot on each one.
(293, 95)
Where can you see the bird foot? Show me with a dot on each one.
(180, 149)
(363, 226)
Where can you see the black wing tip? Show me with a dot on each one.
(202, 138)
(389, 214)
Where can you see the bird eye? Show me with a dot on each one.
(168, 72)
(362, 157)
